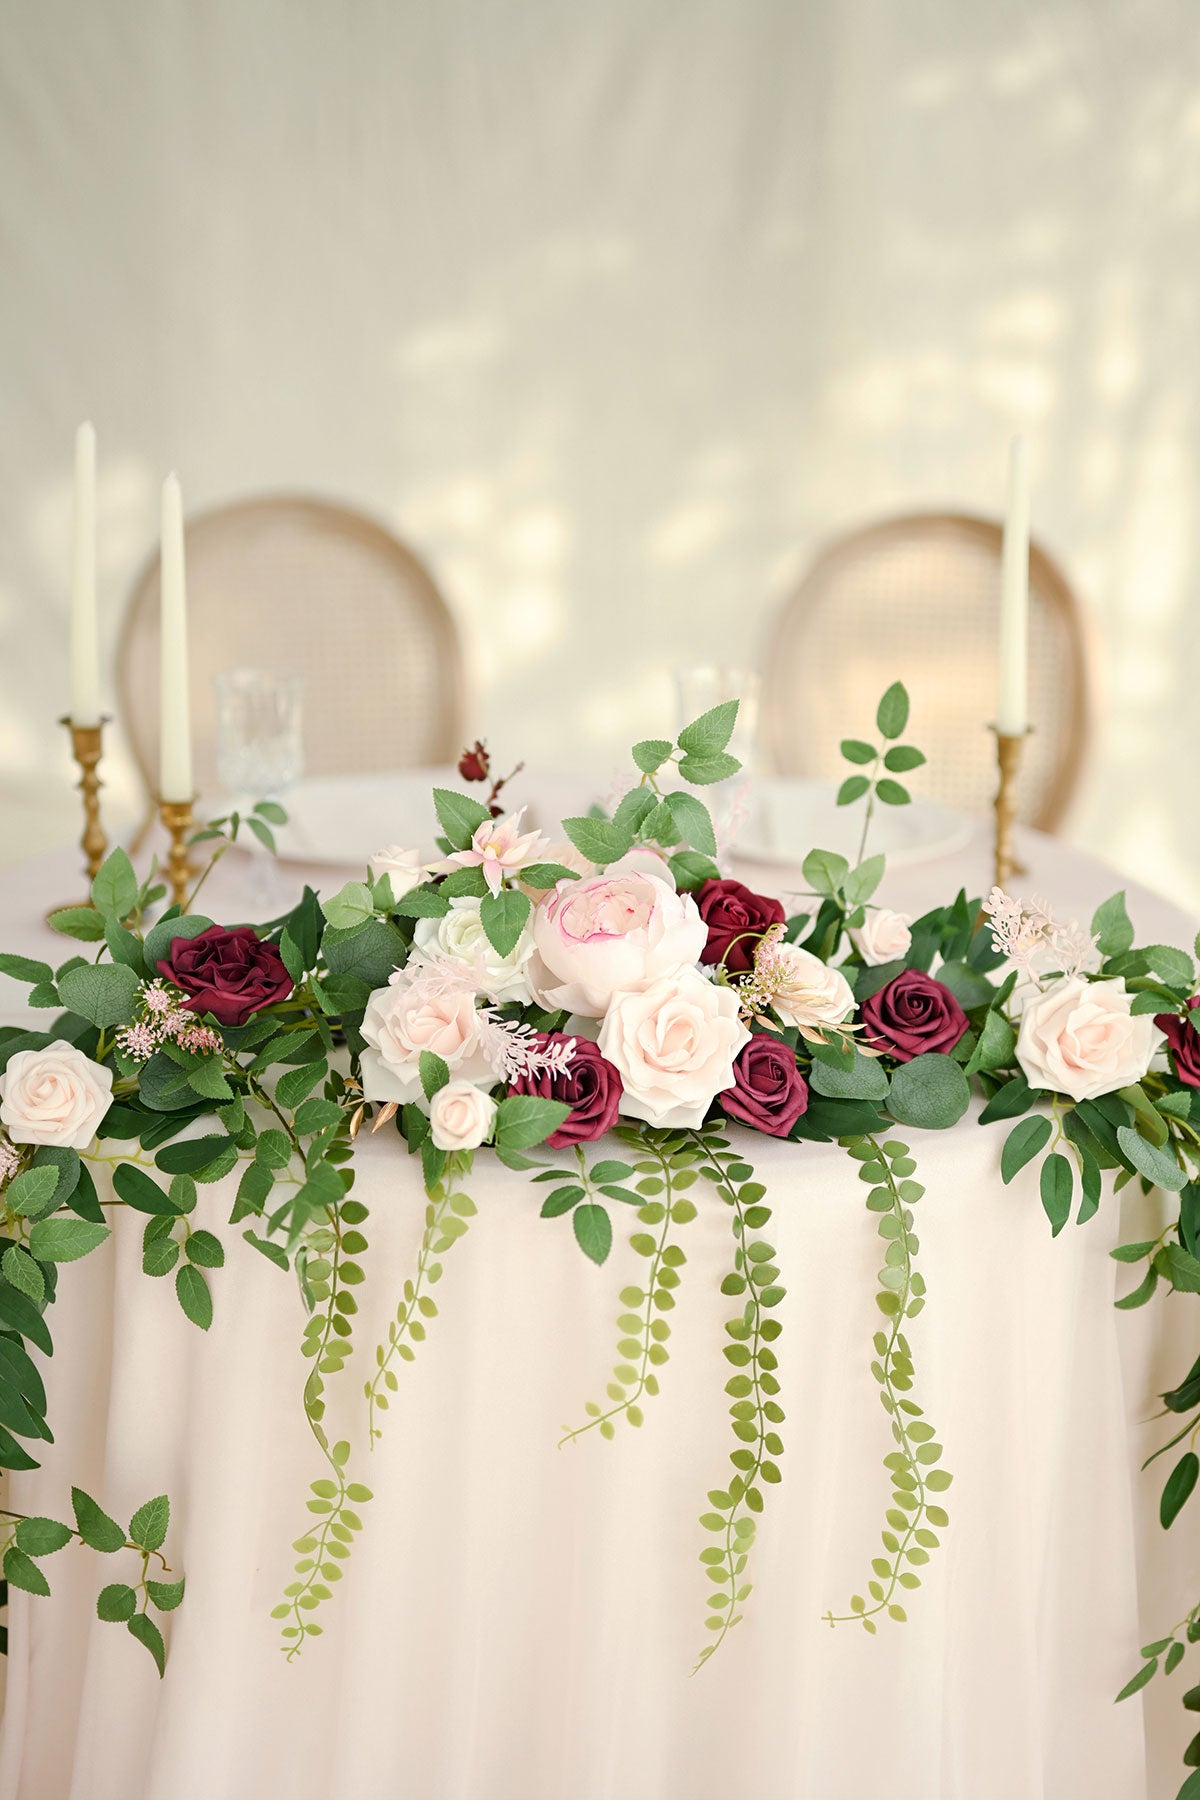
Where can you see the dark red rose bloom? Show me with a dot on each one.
(1184, 1042)
(768, 1091)
(230, 974)
(589, 1085)
(475, 765)
(912, 1015)
(736, 919)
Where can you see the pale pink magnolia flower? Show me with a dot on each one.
(499, 848)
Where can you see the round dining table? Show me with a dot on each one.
(520, 1621)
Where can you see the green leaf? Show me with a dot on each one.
(41, 1537)
(651, 753)
(1023, 1143)
(22, 1273)
(137, 1190)
(861, 882)
(191, 1154)
(598, 839)
(116, 1603)
(825, 871)
(115, 888)
(166, 1595)
(18, 1374)
(273, 1252)
(523, 1120)
(892, 793)
(1111, 926)
(83, 923)
(1149, 1160)
(205, 1250)
(159, 1256)
(1181, 1267)
(19, 1572)
(102, 993)
(1179, 1485)
(546, 875)
(855, 751)
(892, 714)
(866, 1079)
(435, 1073)
(1139, 1295)
(692, 821)
(593, 1231)
(1129, 1253)
(1015, 1097)
(352, 905)
(459, 816)
(561, 1201)
(422, 903)
(95, 1526)
(1174, 966)
(148, 1526)
(852, 789)
(902, 757)
(997, 1045)
(931, 1091)
(1057, 1186)
(194, 1296)
(143, 1628)
(65, 1240)
(690, 869)
(710, 733)
(32, 1191)
(503, 917)
(703, 771)
(23, 968)
(1145, 1673)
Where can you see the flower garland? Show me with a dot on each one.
(614, 997)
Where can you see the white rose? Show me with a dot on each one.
(673, 1044)
(54, 1096)
(399, 1024)
(808, 993)
(403, 866)
(883, 937)
(460, 934)
(460, 1116)
(614, 933)
(1079, 1038)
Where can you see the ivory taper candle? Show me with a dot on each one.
(85, 643)
(175, 753)
(1012, 703)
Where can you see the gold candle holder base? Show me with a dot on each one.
(179, 823)
(87, 748)
(1009, 746)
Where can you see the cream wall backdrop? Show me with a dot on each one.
(615, 311)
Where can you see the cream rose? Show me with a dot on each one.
(1079, 1038)
(460, 934)
(54, 1096)
(460, 1116)
(399, 1024)
(401, 865)
(673, 1044)
(883, 937)
(806, 992)
(614, 933)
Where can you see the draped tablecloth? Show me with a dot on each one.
(519, 1621)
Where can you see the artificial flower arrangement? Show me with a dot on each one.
(616, 999)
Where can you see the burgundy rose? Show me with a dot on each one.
(589, 1085)
(736, 919)
(230, 974)
(912, 1015)
(1184, 1041)
(768, 1091)
(474, 765)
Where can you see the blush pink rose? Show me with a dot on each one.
(673, 1045)
(612, 934)
(460, 1116)
(54, 1096)
(399, 1024)
(1079, 1038)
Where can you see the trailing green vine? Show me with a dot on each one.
(753, 1388)
(663, 1174)
(908, 1539)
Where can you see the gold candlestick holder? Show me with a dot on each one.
(1009, 746)
(179, 823)
(87, 748)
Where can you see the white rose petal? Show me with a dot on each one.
(460, 934)
(1079, 1038)
(54, 1096)
(460, 1116)
(883, 937)
(403, 866)
(673, 1044)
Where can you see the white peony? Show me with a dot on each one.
(399, 1024)
(460, 1116)
(883, 937)
(1079, 1038)
(614, 933)
(673, 1044)
(460, 934)
(54, 1096)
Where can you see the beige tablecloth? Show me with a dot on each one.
(519, 1622)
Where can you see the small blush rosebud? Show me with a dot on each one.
(474, 765)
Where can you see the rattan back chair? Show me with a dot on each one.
(293, 583)
(918, 598)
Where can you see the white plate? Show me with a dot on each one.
(788, 818)
(343, 819)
